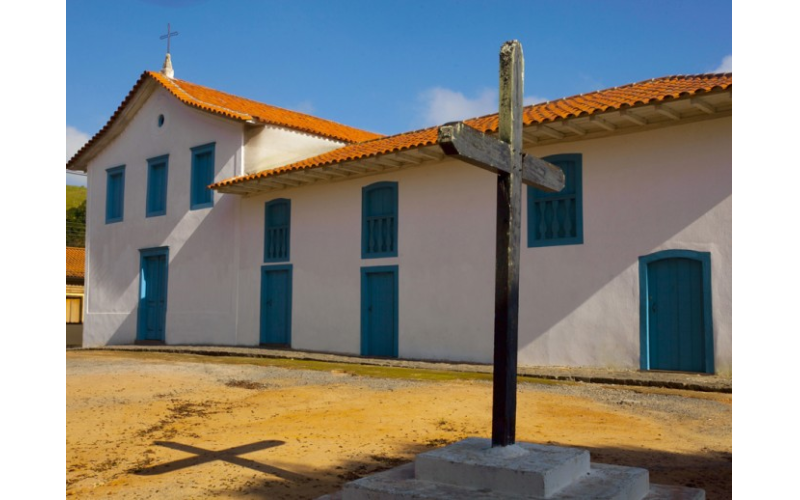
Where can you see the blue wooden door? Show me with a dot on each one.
(276, 305)
(379, 311)
(152, 295)
(676, 315)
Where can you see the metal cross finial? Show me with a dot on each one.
(168, 36)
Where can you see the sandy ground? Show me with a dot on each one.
(143, 426)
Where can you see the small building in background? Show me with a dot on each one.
(76, 258)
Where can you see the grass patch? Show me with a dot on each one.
(105, 465)
(142, 464)
(386, 462)
(439, 442)
(75, 196)
(246, 384)
(178, 410)
(389, 372)
(444, 425)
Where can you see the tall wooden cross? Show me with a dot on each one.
(505, 158)
(169, 35)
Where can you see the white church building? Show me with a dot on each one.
(215, 219)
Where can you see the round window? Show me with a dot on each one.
(160, 120)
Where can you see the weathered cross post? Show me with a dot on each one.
(505, 158)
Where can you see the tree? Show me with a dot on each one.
(76, 226)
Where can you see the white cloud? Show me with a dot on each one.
(445, 105)
(532, 99)
(441, 105)
(75, 139)
(726, 66)
(306, 107)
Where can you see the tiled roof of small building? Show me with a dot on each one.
(642, 93)
(76, 258)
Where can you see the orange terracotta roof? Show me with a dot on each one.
(246, 109)
(236, 108)
(634, 94)
(76, 258)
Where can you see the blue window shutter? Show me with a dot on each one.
(157, 186)
(277, 222)
(115, 194)
(557, 218)
(379, 220)
(202, 176)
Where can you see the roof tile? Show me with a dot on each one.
(645, 92)
(233, 107)
(246, 109)
(76, 258)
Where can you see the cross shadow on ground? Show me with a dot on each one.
(230, 455)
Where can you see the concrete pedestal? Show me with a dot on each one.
(472, 469)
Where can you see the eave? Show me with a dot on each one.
(339, 165)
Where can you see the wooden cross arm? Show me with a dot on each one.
(467, 144)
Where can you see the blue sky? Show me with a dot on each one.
(387, 66)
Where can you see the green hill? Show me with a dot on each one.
(75, 196)
(76, 216)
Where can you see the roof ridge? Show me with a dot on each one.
(313, 119)
(260, 103)
(409, 132)
(641, 82)
(190, 96)
(586, 94)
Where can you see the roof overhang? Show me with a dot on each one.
(340, 165)
(339, 171)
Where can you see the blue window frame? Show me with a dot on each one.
(277, 222)
(557, 218)
(202, 176)
(115, 193)
(157, 186)
(379, 220)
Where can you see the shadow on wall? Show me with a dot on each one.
(200, 283)
(202, 296)
(630, 210)
(122, 335)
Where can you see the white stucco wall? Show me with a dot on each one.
(665, 189)
(270, 146)
(202, 243)
(644, 192)
(668, 188)
(440, 263)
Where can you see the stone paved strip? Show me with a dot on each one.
(670, 380)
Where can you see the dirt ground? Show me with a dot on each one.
(179, 426)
